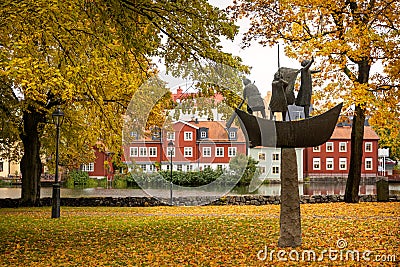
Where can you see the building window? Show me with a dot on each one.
(316, 149)
(88, 167)
(219, 151)
(152, 151)
(206, 152)
(231, 151)
(170, 136)
(179, 167)
(261, 156)
(329, 164)
(143, 151)
(188, 136)
(368, 164)
(189, 168)
(168, 167)
(329, 146)
(207, 166)
(343, 164)
(232, 135)
(171, 150)
(316, 163)
(187, 151)
(342, 147)
(275, 156)
(275, 169)
(368, 147)
(133, 152)
(152, 168)
(1, 166)
(262, 169)
(219, 167)
(143, 167)
(203, 134)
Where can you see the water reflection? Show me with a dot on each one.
(267, 190)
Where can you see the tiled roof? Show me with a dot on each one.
(217, 131)
(344, 132)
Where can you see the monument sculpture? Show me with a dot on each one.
(288, 135)
(253, 96)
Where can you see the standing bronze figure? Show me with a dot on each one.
(253, 96)
(278, 101)
(304, 96)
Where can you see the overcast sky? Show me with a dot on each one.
(262, 60)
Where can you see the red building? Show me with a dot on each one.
(333, 157)
(196, 145)
(102, 166)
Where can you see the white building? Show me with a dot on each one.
(269, 162)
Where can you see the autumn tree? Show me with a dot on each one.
(89, 57)
(347, 38)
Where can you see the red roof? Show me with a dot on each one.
(344, 132)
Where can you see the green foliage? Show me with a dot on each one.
(246, 166)
(79, 177)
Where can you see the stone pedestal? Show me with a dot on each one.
(382, 189)
(290, 221)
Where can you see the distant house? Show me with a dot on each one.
(102, 166)
(9, 168)
(269, 162)
(333, 157)
(196, 146)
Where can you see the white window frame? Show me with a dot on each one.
(368, 144)
(206, 152)
(188, 136)
(188, 151)
(275, 170)
(170, 136)
(189, 168)
(343, 147)
(143, 167)
(133, 151)
(261, 156)
(275, 156)
(343, 161)
(316, 149)
(203, 134)
(330, 161)
(368, 164)
(218, 152)
(152, 151)
(179, 167)
(170, 149)
(232, 135)
(262, 169)
(317, 164)
(232, 151)
(330, 144)
(88, 167)
(152, 168)
(143, 151)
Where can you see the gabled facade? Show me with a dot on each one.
(102, 166)
(196, 145)
(332, 159)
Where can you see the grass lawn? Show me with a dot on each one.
(199, 236)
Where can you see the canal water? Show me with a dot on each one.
(267, 190)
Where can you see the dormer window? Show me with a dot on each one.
(232, 133)
(202, 133)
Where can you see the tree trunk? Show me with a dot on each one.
(354, 177)
(31, 166)
(357, 137)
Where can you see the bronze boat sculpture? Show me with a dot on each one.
(310, 132)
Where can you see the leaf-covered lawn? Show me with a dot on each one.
(196, 236)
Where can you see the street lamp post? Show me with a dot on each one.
(58, 118)
(170, 148)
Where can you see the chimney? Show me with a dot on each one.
(196, 121)
(179, 91)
